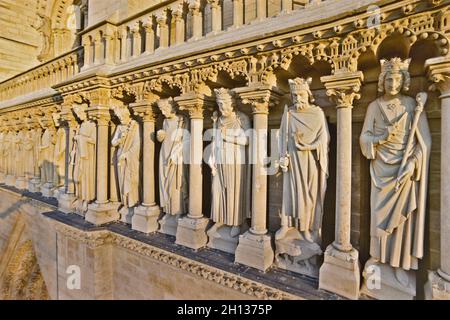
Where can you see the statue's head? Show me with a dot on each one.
(301, 94)
(123, 114)
(394, 77)
(80, 111)
(56, 119)
(225, 100)
(167, 107)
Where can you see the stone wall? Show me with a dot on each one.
(18, 46)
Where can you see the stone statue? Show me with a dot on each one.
(60, 152)
(19, 161)
(84, 159)
(44, 27)
(8, 153)
(46, 153)
(397, 140)
(173, 179)
(127, 141)
(303, 145)
(229, 163)
(28, 145)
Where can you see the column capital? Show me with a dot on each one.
(144, 110)
(148, 24)
(194, 6)
(343, 88)
(100, 113)
(134, 29)
(195, 104)
(438, 70)
(260, 97)
(161, 18)
(214, 3)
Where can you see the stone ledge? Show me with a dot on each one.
(209, 264)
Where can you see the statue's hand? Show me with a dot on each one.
(161, 135)
(421, 99)
(284, 163)
(391, 132)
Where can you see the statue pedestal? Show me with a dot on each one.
(438, 286)
(382, 283)
(67, 202)
(10, 181)
(145, 219)
(191, 232)
(220, 238)
(340, 272)
(169, 224)
(34, 185)
(297, 255)
(102, 213)
(255, 250)
(47, 190)
(21, 183)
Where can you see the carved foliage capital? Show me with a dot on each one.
(343, 88)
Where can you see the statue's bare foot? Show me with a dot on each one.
(402, 276)
(235, 231)
(85, 206)
(214, 228)
(281, 233)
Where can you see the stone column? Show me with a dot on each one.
(438, 285)
(98, 57)
(238, 13)
(109, 43)
(191, 231)
(87, 52)
(179, 26)
(340, 271)
(161, 20)
(136, 36)
(216, 16)
(261, 10)
(255, 248)
(286, 6)
(124, 45)
(35, 183)
(197, 25)
(102, 210)
(145, 218)
(149, 37)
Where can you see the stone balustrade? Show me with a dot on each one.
(175, 23)
(43, 76)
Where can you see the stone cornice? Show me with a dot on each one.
(95, 239)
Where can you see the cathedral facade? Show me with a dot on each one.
(225, 149)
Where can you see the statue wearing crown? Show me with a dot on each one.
(397, 140)
(303, 145)
(230, 173)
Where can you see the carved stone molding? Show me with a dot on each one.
(97, 239)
